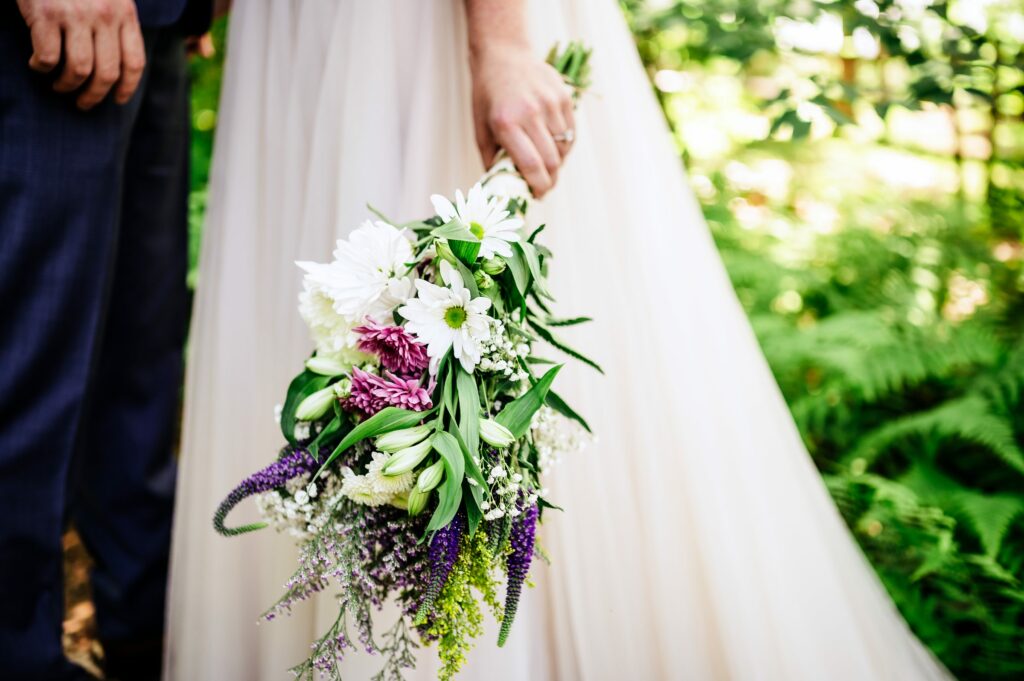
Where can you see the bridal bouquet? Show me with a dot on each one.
(420, 428)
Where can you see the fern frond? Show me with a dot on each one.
(970, 419)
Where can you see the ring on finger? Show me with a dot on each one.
(567, 137)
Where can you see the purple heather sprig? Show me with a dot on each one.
(398, 351)
(517, 565)
(444, 549)
(369, 394)
(290, 465)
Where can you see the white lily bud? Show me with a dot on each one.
(406, 459)
(417, 501)
(316, 405)
(493, 266)
(495, 434)
(483, 280)
(401, 439)
(444, 251)
(327, 366)
(400, 501)
(430, 477)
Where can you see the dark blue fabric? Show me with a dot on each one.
(93, 303)
(160, 12)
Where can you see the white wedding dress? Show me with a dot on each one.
(698, 540)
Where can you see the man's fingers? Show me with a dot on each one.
(45, 46)
(133, 61)
(78, 58)
(527, 159)
(200, 46)
(106, 67)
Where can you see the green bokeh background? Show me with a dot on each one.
(861, 166)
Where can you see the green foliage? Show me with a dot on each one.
(456, 619)
(890, 308)
(900, 353)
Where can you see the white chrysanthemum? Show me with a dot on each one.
(504, 183)
(486, 217)
(368, 277)
(359, 489)
(447, 317)
(331, 332)
(387, 484)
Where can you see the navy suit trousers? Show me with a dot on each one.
(93, 316)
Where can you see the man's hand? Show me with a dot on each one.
(100, 42)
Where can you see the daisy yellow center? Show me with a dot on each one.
(455, 317)
(477, 229)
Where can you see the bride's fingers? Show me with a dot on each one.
(569, 115)
(526, 158)
(485, 143)
(543, 141)
(557, 126)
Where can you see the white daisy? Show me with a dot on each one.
(368, 276)
(447, 317)
(486, 217)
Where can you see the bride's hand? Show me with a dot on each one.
(521, 104)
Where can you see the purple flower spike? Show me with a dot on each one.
(517, 565)
(399, 352)
(289, 466)
(444, 550)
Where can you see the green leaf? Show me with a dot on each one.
(453, 230)
(472, 469)
(517, 414)
(519, 270)
(474, 515)
(330, 430)
(550, 338)
(554, 401)
(476, 492)
(465, 251)
(573, 321)
(468, 395)
(448, 387)
(467, 279)
(301, 387)
(528, 253)
(450, 493)
(384, 421)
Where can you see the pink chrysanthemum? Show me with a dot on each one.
(398, 351)
(371, 393)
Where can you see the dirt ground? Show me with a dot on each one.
(80, 643)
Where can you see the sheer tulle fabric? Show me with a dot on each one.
(698, 542)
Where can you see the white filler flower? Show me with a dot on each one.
(368, 277)
(504, 183)
(486, 217)
(447, 317)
